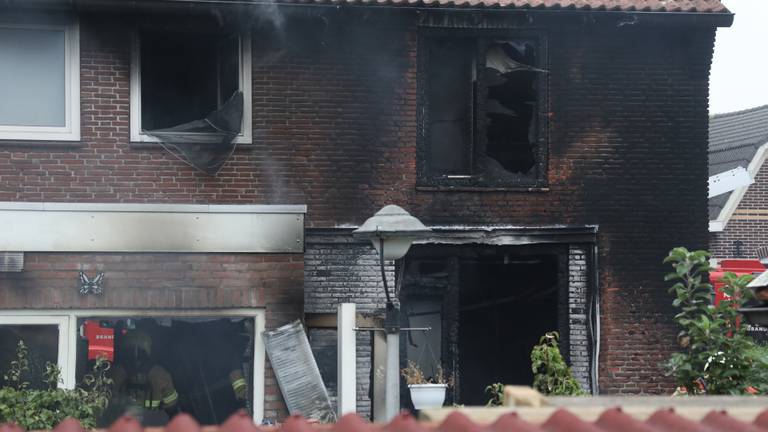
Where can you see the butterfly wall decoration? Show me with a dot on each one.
(91, 286)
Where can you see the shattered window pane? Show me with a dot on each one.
(483, 99)
(449, 96)
(511, 107)
(185, 76)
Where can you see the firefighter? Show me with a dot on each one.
(145, 387)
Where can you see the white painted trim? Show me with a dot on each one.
(71, 129)
(66, 319)
(729, 181)
(737, 195)
(153, 208)
(346, 360)
(259, 360)
(62, 323)
(245, 136)
(97, 227)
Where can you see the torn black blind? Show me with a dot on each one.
(205, 144)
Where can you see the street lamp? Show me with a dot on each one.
(392, 230)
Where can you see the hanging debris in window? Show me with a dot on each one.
(511, 107)
(205, 144)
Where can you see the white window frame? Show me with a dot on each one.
(66, 320)
(71, 129)
(62, 322)
(244, 80)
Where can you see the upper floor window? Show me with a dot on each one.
(182, 77)
(482, 106)
(39, 82)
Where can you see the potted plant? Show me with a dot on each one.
(426, 392)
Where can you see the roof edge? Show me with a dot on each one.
(739, 112)
(719, 224)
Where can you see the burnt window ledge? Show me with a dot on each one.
(482, 189)
(149, 145)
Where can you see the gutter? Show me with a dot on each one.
(718, 19)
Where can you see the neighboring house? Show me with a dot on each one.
(739, 218)
(210, 160)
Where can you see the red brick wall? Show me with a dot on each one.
(335, 128)
(166, 280)
(749, 223)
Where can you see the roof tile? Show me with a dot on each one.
(615, 419)
(563, 420)
(722, 421)
(699, 6)
(611, 420)
(126, 424)
(511, 422)
(667, 421)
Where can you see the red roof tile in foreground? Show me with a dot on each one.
(562, 420)
(698, 6)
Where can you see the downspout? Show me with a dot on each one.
(594, 322)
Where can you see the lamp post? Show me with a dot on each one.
(392, 231)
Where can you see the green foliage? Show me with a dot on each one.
(495, 392)
(717, 356)
(43, 409)
(550, 373)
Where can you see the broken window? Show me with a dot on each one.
(185, 76)
(163, 365)
(482, 101)
(191, 93)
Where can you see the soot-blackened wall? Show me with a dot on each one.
(335, 127)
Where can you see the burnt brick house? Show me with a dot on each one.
(191, 172)
(738, 225)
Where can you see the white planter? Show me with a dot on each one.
(427, 395)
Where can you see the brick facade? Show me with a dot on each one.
(165, 280)
(339, 269)
(335, 128)
(748, 224)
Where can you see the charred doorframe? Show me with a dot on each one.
(578, 307)
(426, 178)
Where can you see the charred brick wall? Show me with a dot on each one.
(339, 269)
(748, 224)
(578, 338)
(166, 281)
(335, 128)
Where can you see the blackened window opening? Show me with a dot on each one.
(185, 76)
(511, 106)
(450, 92)
(483, 98)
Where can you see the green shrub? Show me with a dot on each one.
(495, 393)
(550, 373)
(35, 409)
(716, 356)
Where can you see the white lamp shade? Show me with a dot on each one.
(394, 248)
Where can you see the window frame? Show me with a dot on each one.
(71, 129)
(426, 179)
(69, 333)
(245, 135)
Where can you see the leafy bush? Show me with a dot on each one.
(43, 409)
(496, 393)
(717, 355)
(550, 373)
